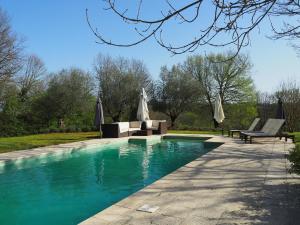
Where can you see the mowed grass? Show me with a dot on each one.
(8, 144)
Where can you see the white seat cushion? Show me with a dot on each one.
(134, 129)
(149, 123)
(155, 124)
(135, 124)
(123, 127)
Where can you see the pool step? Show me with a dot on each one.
(185, 137)
(137, 140)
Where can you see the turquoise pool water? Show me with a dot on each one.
(69, 188)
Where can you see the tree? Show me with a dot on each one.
(120, 83)
(10, 51)
(222, 74)
(69, 97)
(266, 106)
(175, 92)
(289, 92)
(9, 111)
(226, 23)
(29, 80)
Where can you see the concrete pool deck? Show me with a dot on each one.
(235, 183)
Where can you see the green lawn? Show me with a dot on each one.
(8, 144)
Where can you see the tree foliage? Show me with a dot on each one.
(120, 83)
(294, 158)
(222, 74)
(175, 92)
(9, 111)
(69, 97)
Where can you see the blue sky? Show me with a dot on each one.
(56, 31)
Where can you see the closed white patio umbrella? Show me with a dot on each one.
(143, 112)
(219, 113)
(99, 118)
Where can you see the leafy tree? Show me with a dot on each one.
(222, 74)
(294, 158)
(240, 115)
(175, 92)
(10, 111)
(69, 98)
(21, 92)
(120, 82)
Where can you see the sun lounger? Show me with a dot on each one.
(272, 128)
(250, 129)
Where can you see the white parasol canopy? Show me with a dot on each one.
(219, 113)
(143, 112)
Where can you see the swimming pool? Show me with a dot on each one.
(69, 188)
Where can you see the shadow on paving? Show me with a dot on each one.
(275, 204)
(246, 194)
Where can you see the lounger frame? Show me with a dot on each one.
(272, 128)
(280, 136)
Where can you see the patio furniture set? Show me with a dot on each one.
(137, 128)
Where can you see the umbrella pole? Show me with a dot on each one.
(100, 133)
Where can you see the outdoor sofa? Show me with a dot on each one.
(125, 129)
(272, 128)
(157, 126)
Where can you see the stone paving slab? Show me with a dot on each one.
(236, 183)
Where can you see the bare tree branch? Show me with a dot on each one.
(230, 22)
(10, 50)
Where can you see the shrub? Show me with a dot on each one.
(294, 157)
(54, 130)
(44, 130)
(87, 129)
(71, 129)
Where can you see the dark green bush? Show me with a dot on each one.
(44, 130)
(294, 157)
(71, 129)
(86, 129)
